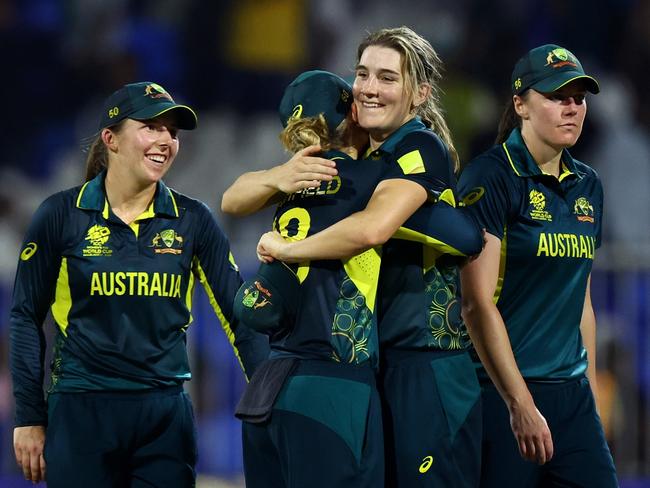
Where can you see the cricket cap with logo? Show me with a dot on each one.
(143, 101)
(269, 301)
(548, 68)
(316, 92)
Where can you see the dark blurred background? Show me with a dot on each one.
(231, 61)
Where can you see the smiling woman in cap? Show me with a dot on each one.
(526, 298)
(117, 259)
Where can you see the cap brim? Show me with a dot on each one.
(554, 83)
(185, 117)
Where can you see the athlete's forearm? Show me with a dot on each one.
(490, 339)
(392, 202)
(346, 238)
(251, 192)
(26, 353)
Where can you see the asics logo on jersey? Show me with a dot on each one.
(473, 196)
(29, 251)
(426, 464)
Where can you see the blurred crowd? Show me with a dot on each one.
(231, 61)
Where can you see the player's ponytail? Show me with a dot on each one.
(509, 120)
(307, 131)
(97, 159)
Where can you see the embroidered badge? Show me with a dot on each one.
(538, 201)
(98, 237)
(583, 210)
(167, 242)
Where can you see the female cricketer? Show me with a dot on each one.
(116, 260)
(526, 298)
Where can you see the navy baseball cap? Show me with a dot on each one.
(268, 301)
(317, 92)
(548, 68)
(142, 101)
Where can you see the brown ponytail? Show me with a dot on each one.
(509, 120)
(97, 159)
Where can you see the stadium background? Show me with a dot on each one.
(232, 59)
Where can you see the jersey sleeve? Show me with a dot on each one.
(485, 190)
(599, 218)
(33, 293)
(215, 268)
(444, 227)
(423, 158)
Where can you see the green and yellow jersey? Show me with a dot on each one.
(121, 295)
(549, 230)
(336, 315)
(419, 292)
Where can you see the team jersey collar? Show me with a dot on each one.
(388, 146)
(92, 196)
(523, 164)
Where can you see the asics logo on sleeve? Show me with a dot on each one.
(29, 251)
(426, 464)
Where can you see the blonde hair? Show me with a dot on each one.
(420, 64)
(307, 131)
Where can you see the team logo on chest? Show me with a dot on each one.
(167, 242)
(583, 210)
(538, 202)
(98, 237)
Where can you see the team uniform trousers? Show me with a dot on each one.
(581, 457)
(431, 404)
(117, 440)
(325, 431)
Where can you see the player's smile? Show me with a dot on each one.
(380, 93)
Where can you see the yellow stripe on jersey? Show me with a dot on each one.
(448, 197)
(363, 270)
(502, 266)
(171, 195)
(105, 212)
(62, 298)
(415, 236)
(429, 257)
(412, 163)
(231, 260)
(505, 148)
(81, 192)
(225, 325)
(188, 300)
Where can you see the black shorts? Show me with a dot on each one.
(135, 439)
(581, 457)
(432, 419)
